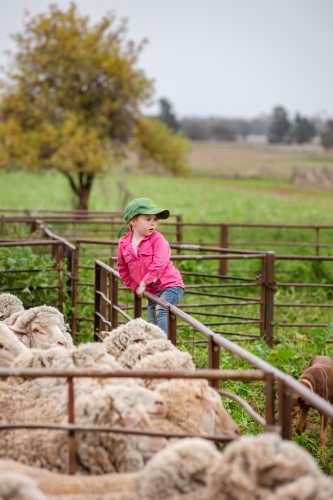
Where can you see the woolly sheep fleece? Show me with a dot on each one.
(9, 304)
(134, 331)
(256, 466)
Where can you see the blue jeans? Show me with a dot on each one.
(158, 314)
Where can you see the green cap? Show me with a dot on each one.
(142, 206)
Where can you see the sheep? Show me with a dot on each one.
(256, 466)
(134, 331)
(97, 453)
(90, 355)
(9, 304)
(167, 360)
(10, 346)
(305, 488)
(40, 327)
(98, 496)
(181, 468)
(194, 407)
(136, 352)
(15, 486)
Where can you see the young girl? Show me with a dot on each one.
(144, 259)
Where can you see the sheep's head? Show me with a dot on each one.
(224, 424)
(255, 466)
(9, 304)
(43, 327)
(137, 351)
(196, 407)
(152, 402)
(94, 354)
(135, 331)
(190, 461)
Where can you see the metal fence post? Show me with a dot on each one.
(270, 399)
(261, 279)
(285, 420)
(213, 359)
(75, 278)
(172, 327)
(71, 435)
(317, 240)
(60, 264)
(100, 304)
(137, 306)
(69, 281)
(270, 290)
(223, 268)
(179, 231)
(114, 301)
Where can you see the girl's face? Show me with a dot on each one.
(144, 225)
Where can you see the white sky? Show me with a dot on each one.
(231, 58)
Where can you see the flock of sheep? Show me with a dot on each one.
(118, 465)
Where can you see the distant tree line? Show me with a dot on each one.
(278, 127)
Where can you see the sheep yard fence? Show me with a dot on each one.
(262, 279)
(106, 300)
(307, 239)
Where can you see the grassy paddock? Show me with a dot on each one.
(198, 199)
(208, 196)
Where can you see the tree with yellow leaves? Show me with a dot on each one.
(71, 102)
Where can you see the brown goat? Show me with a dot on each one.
(318, 377)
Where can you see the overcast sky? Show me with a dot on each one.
(231, 58)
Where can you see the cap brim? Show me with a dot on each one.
(162, 213)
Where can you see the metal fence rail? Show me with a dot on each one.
(71, 427)
(82, 224)
(312, 239)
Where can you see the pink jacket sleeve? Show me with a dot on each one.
(124, 272)
(161, 258)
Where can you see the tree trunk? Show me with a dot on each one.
(81, 189)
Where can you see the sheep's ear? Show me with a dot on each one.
(128, 421)
(274, 475)
(208, 403)
(18, 328)
(201, 476)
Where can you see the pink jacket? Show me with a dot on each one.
(152, 263)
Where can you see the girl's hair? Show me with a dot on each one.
(129, 225)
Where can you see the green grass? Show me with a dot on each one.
(198, 199)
